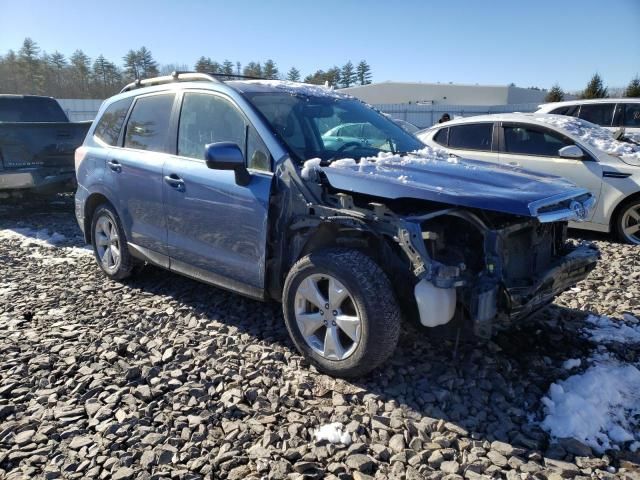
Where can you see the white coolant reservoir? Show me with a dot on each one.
(436, 305)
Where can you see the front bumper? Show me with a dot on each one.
(36, 179)
(511, 303)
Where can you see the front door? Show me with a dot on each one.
(217, 230)
(536, 148)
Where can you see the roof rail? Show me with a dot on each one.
(174, 77)
(183, 76)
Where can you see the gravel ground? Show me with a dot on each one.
(164, 377)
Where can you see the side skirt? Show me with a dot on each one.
(195, 273)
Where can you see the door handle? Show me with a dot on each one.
(514, 164)
(115, 166)
(175, 181)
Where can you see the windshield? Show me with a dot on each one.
(330, 128)
(30, 109)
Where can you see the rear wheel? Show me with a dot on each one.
(628, 222)
(110, 243)
(341, 312)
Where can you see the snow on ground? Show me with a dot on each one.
(600, 406)
(43, 238)
(593, 135)
(572, 363)
(605, 329)
(333, 432)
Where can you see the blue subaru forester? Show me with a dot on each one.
(231, 183)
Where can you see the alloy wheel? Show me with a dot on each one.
(327, 317)
(108, 244)
(631, 224)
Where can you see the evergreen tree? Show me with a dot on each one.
(595, 88)
(101, 75)
(556, 94)
(270, 70)
(347, 75)
(131, 65)
(9, 73)
(148, 66)
(253, 69)
(363, 73)
(80, 73)
(333, 76)
(317, 78)
(30, 66)
(203, 65)
(227, 67)
(56, 66)
(633, 89)
(293, 75)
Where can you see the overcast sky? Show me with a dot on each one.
(530, 43)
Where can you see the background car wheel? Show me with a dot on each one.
(341, 312)
(110, 243)
(628, 222)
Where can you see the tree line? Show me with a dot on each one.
(594, 89)
(30, 70)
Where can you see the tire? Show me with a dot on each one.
(333, 341)
(627, 222)
(105, 220)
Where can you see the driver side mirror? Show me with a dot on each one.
(227, 156)
(571, 151)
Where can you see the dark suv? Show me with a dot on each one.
(231, 183)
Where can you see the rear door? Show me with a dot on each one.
(627, 115)
(134, 174)
(598, 113)
(217, 230)
(474, 141)
(536, 148)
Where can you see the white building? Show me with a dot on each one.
(444, 94)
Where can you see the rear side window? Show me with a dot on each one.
(527, 141)
(442, 137)
(108, 128)
(631, 115)
(471, 137)
(560, 111)
(598, 113)
(148, 124)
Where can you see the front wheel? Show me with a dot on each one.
(341, 312)
(628, 222)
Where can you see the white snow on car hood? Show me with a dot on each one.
(593, 135)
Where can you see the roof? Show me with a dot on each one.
(587, 101)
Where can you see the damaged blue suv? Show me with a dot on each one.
(231, 183)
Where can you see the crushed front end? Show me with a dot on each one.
(487, 267)
(504, 268)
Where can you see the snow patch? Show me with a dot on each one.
(606, 329)
(600, 407)
(42, 238)
(572, 363)
(333, 433)
(593, 135)
(306, 89)
(308, 166)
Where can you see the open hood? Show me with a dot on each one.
(460, 183)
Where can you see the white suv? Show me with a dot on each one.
(610, 113)
(568, 147)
